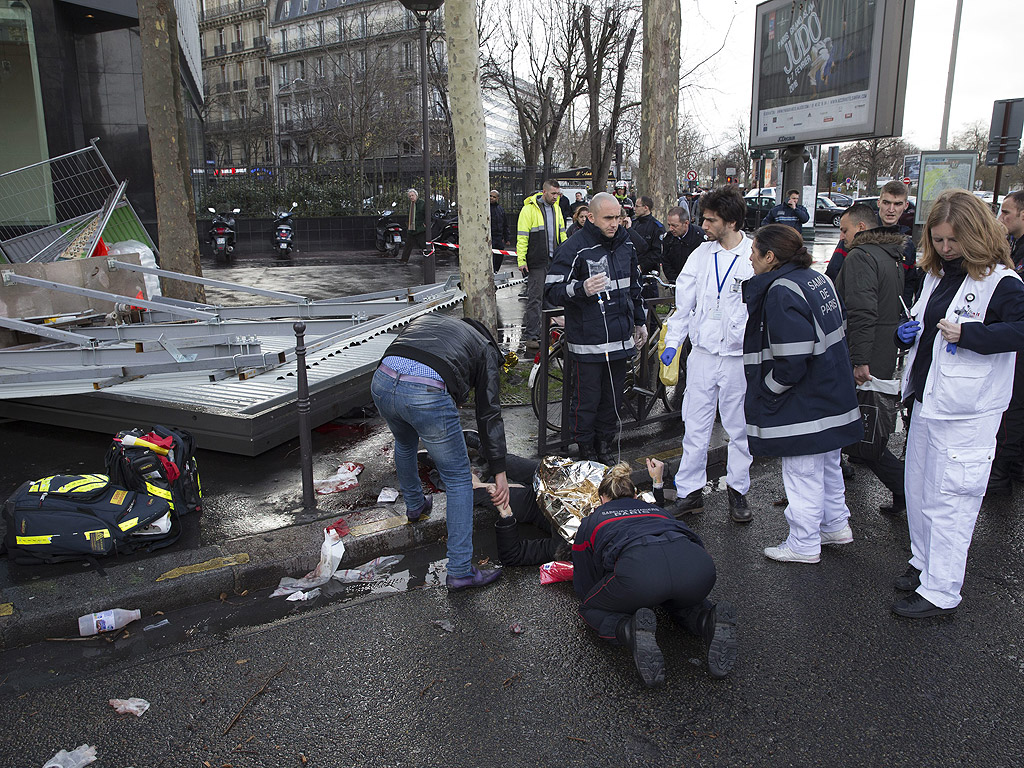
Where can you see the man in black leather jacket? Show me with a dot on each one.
(424, 375)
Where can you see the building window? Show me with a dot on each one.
(305, 5)
(240, 70)
(407, 55)
(238, 33)
(361, 25)
(341, 29)
(302, 69)
(223, 73)
(263, 67)
(320, 66)
(283, 75)
(320, 32)
(262, 28)
(241, 110)
(284, 40)
(361, 60)
(286, 112)
(220, 36)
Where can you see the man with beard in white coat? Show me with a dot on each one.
(710, 311)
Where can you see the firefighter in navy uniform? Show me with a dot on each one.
(630, 556)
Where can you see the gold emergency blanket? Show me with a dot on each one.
(567, 492)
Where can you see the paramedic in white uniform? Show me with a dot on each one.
(710, 310)
(958, 376)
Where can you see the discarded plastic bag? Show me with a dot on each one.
(555, 571)
(387, 495)
(82, 755)
(371, 571)
(331, 552)
(346, 477)
(295, 597)
(131, 706)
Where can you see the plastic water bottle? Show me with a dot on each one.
(106, 621)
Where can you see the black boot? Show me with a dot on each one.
(606, 452)
(586, 451)
(690, 504)
(739, 512)
(637, 632)
(718, 629)
(999, 483)
(898, 506)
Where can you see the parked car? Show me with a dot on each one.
(871, 202)
(757, 209)
(762, 192)
(827, 212)
(843, 201)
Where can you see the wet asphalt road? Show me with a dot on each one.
(826, 674)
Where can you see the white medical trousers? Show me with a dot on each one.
(948, 463)
(713, 380)
(817, 499)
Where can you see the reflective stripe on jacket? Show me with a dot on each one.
(531, 233)
(800, 398)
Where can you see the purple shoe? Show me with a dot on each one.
(415, 515)
(476, 578)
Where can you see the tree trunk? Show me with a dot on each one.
(659, 112)
(471, 162)
(172, 179)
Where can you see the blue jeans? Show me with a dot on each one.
(416, 412)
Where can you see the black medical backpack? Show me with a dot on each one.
(141, 469)
(82, 517)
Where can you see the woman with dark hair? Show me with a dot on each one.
(958, 377)
(801, 404)
(579, 216)
(629, 556)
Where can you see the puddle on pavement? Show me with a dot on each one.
(57, 661)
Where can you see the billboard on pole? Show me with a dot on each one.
(829, 70)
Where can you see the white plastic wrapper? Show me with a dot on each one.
(146, 259)
(331, 553)
(130, 706)
(346, 477)
(83, 755)
(297, 597)
(387, 495)
(371, 571)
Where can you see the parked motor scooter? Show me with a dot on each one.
(446, 227)
(222, 234)
(283, 232)
(389, 232)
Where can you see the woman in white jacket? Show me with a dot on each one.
(963, 334)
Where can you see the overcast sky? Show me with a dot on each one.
(991, 32)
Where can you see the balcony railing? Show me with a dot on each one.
(239, 85)
(221, 87)
(336, 37)
(231, 7)
(260, 42)
(237, 45)
(220, 50)
(261, 81)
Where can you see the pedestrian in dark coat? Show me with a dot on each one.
(499, 229)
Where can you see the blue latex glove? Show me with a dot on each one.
(951, 348)
(908, 331)
(668, 355)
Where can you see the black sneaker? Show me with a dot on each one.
(720, 638)
(638, 633)
(898, 506)
(918, 607)
(690, 504)
(739, 512)
(909, 581)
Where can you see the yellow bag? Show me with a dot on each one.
(669, 374)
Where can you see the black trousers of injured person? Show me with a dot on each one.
(595, 400)
(668, 570)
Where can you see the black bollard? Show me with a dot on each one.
(305, 438)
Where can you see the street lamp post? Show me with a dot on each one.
(422, 10)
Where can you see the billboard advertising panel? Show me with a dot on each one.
(829, 70)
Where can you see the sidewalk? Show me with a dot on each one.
(252, 530)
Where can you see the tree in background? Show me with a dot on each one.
(659, 112)
(609, 53)
(172, 177)
(471, 160)
(873, 158)
(532, 59)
